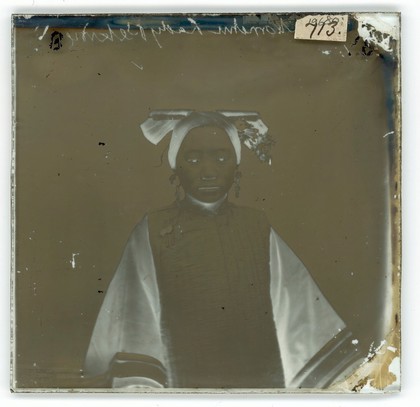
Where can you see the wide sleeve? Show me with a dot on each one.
(314, 341)
(127, 339)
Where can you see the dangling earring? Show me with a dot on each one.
(172, 179)
(237, 181)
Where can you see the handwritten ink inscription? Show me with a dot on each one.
(322, 28)
(56, 40)
(328, 21)
(130, 31)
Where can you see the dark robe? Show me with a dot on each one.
(214, 284)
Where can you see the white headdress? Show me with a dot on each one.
(245, 127)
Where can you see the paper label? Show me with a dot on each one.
(322, 27)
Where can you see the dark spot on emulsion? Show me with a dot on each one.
(396, 319)
(99, 74)
(100, 291)
(101, 143)
(366, 49)
(223, 307)
(58, 174)
(359, 386)
(379, 36)
(317, 298)
(99, 279)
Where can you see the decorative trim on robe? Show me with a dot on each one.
(130, 365)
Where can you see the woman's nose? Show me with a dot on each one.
(208, 171)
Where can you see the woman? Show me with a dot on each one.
(207, 295)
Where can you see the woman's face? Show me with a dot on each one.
(206, 163)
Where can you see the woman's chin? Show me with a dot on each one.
(209, 195)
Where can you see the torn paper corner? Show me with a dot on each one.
(381, 30)
(394, 371)
(379, 372)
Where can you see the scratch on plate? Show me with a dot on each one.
(138, 66)
(43, 34)
(348, 51)
(73, 260)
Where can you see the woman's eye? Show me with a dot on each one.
(221, 158)
(193, 160)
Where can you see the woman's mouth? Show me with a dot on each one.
(209, 188)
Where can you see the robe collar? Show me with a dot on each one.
(211, 207)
